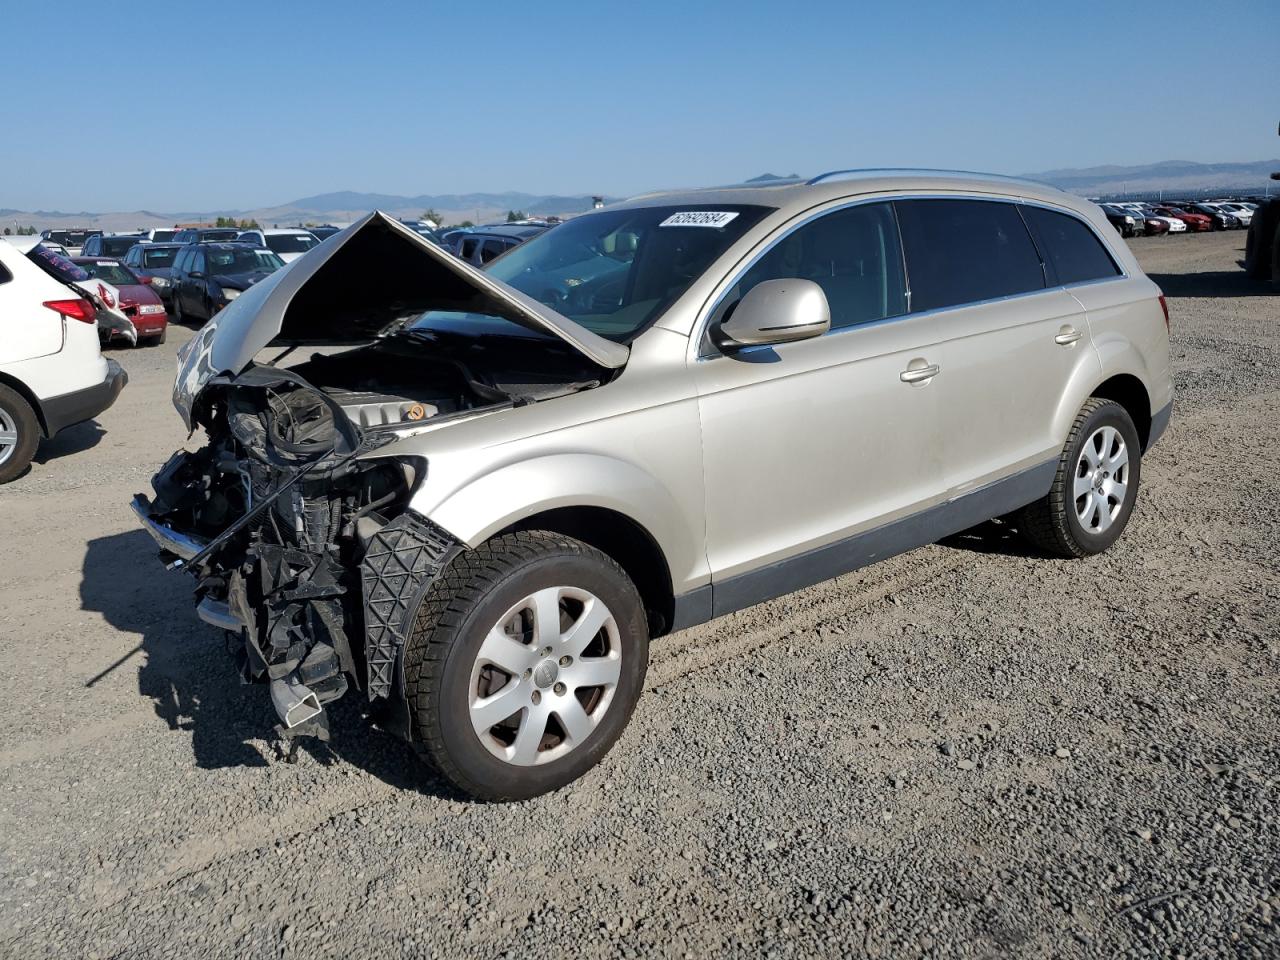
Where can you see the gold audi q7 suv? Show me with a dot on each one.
(480, 511)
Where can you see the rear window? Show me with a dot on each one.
(965, 251)
(290, 242)
(57, 266)
(158, 258)
(1072, 252)
(160, 236)
(117, 246)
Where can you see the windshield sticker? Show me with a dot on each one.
(699, 218)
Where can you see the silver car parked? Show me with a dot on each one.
(648, 416)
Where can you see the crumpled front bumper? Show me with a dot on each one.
(183, 546)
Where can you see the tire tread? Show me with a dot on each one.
(1044, 522)
(435, 628)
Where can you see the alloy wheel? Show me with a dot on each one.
(545, 676)
(8, 436)
(1101, 480)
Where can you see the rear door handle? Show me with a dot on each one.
(916, 374)
(1067, 336)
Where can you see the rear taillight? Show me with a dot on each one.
(1165, 307)
(79, 309)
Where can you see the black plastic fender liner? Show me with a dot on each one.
(400, 561)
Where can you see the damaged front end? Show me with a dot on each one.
(283, 525)
(293, 516)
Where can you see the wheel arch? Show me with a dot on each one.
(33, 401)
(1130, 392)
(626, 541)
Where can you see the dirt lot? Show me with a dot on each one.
(965, 751)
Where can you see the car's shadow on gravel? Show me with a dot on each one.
(994, 536)
(1211, 283)
(190, 677)
(75, 439)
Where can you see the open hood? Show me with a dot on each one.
(356, 286)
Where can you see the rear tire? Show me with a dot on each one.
(159, 338)
(19, 434)
(1095, 487)
(508, 705)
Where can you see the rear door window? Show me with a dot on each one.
(492, 248)
(1072, 251)
(966, 251)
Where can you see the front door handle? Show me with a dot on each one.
(1067, 336)
(918, 371)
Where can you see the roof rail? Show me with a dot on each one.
(851, 174)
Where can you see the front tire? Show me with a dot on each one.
(1095, 487)
(524, 664)
(19, 434)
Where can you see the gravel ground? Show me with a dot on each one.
(965, 751)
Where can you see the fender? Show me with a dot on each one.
(482, 506)
(1084, 379)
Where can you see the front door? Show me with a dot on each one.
(810, 443)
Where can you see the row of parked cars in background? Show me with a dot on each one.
(194, 272)
(1137, 219)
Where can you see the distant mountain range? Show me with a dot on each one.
(1168, 175)
(344, 206)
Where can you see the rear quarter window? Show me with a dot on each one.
(5, 275)
(966, 251)
(1072, 251)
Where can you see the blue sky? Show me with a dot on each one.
(231, 104)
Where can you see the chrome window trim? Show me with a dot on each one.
(713, 301)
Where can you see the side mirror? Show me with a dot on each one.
(778, 311)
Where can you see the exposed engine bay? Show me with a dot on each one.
(294, 523)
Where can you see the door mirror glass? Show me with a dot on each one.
(778, 311)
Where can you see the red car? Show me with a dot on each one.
(138, 301)
(1196, 222)
(1154, 226)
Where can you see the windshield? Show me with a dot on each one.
(163, 236)
(227, 261)
(162, 257)
(616, 271)
(113, 273)
(290, 242)
(56, 265)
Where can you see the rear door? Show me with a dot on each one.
(1012, 338)
(807, 444)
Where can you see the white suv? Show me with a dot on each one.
(287, 244)
(52, 372)
(648, 416)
